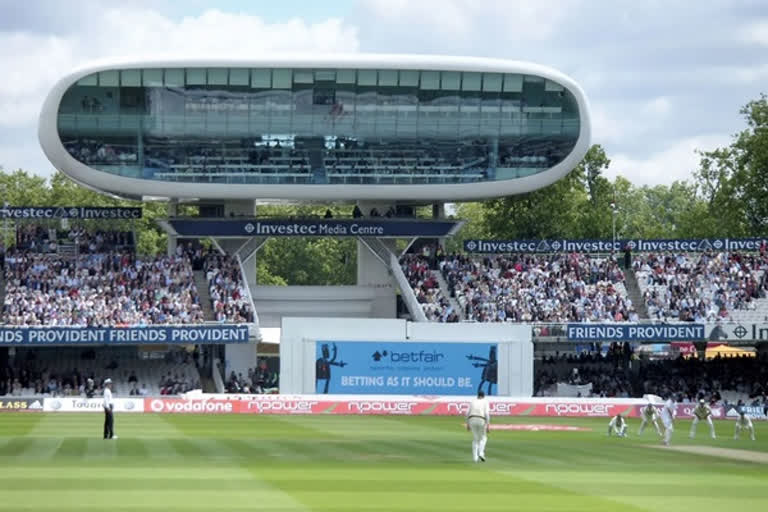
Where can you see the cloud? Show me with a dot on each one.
(675, 162)
(33, 58)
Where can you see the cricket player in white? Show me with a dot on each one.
(702, 412)
(668, 412)
(618, 426)
(649, 415)
(109, 416)
(478, 422)
(744, 422)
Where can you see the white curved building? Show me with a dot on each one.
(359, 127)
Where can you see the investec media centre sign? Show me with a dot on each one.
(604, 245)
(313, 227)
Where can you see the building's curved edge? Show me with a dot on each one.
(100, 180)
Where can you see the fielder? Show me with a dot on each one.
(618, 426)
(702, 412)
(478, 422)
(649, 415)
(744, 422)
(668, 412)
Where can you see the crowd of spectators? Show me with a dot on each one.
(229, 297)
(435, 305)
(260, 380)
(693, 378)
(620, 373)
(172, 384)
(701, 287)
(46, 239)
(608, 372)
(106, 284)
(100, 289)
(537, 288)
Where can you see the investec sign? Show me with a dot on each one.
(636, 244)
(69, 212)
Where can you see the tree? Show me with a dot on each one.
(733, 181)
(575, 206)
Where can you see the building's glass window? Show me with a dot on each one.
(318, 126)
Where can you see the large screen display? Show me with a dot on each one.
(409, 368)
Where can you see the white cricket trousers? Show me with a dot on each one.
(668, 429)
(708, 422)
(479, 437)
(749, 429)
(646, 421)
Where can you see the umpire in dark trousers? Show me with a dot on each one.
(109, 407)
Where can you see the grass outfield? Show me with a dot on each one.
(325, 463)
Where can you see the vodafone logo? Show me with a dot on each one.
(381, 407)
(289, 406)
(579, 409)
(191, 406)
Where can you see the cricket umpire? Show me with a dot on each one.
(109, 416)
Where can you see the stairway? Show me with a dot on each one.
(446, 291)
(205, 297)
(634, 293)
(207, 384)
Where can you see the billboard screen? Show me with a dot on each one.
(407, 368)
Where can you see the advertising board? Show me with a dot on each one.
(411, 368)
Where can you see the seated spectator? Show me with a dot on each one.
(230, 300)
(700, 288)
(99, 290)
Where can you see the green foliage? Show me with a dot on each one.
(306, 261)
(734, 180)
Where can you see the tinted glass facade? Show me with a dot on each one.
(317, 126)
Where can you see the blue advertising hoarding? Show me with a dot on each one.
(408, 368)
(179, 335)
(313, 227)
(606, 245)
(637, 332)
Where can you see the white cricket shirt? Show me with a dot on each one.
(479, 408)
(107, 398)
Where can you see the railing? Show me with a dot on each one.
(247, 286)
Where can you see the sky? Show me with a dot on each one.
(664, 78)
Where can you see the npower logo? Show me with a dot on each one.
(191, 406)
(496, 408)
(282, 406)
(381, 407)
(579, 409)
